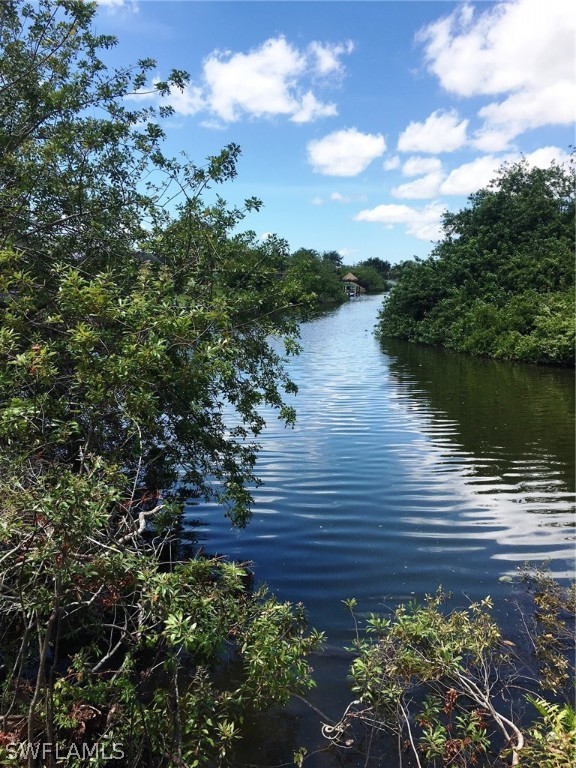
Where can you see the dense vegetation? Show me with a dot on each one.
(453, 690)
(128, 329)
(501, 281)
(134, 358)
(320, 274)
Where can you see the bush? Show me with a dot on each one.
(446, 683)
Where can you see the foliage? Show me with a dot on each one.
(551, 628)
(319, 276)
(552, 738)
(333, 257)
(134, 358)
(369, 278)
(441, 666)
(446, 682)
(501, 281)
(380, 265)
(397, 270)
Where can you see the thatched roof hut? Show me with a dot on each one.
(349, 278)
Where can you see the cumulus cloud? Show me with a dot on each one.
(259, 83)
(271, 80)
(489, 139)
(187, 101)
(442, 131)
(345, 153)
(415, 166)
(545, 156)
(339, 197)
(470, 177)
(391, 163)
(327, 56)
(311, 109)
(553, 104)
(522, 51)
(423, 223)
(425, 187)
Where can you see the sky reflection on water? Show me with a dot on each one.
(409, 467)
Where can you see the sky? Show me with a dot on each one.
(360, 122)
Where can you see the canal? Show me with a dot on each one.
(409, 467)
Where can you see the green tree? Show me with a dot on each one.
(333, 257)
(134, 358)
(318, 278)
(382, 267)
(500, 283)
(369, 278)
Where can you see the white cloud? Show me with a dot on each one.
(391, 163)
(488, 139)
(553, 104)
(386, 214)
(115, 5)
(415, 166)
(259, 83)
(545, 156)
(339, 198)
(311, 109)
(423, 188)
(327, 56)
(423, 223)
(470, 177)
(268, 81)
(440, 132)
(187, 101)
(317, 200)
(523, 50)
(345, 153)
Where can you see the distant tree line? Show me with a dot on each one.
(321, 273)
(501, 281)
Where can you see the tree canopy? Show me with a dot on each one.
(500, 283)
(134, 358)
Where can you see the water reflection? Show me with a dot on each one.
(499, 435)
(501, 411)
(409, 467)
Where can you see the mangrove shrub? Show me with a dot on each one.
(501, 281)
(134, 358)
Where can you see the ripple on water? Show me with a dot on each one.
(405, 471)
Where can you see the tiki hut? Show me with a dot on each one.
(351, 285)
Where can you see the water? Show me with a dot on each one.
(409, 467)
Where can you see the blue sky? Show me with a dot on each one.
(359, 122)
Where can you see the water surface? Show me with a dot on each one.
(409, 467)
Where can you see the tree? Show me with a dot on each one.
(333, 257)
(369, 278)
(318, 278)
(500, 283)
(134, 357)
(382, 267)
